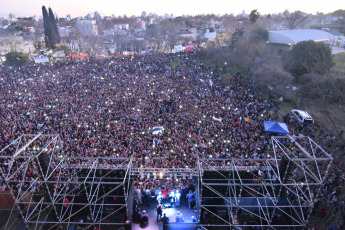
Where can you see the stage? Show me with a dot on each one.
(171, 213)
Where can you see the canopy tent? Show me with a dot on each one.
(276, 127)
(189, 48)
(83, 55)
(75, 56)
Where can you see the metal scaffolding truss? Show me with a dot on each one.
(274, 191)
(62, 190)
(172, 173)
(51, 189)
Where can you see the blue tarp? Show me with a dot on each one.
(276, 127)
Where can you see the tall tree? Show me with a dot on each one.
(259, 34)
(235, 36)
(47, 27)
(293, 19)
(254, 16)
(56, 34)
(51, 32)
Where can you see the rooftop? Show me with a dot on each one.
(292, 37)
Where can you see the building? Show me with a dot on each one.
(282, 40)
(334, 27)
(87, 27)
(211, 36)
(140, 25)
(65, 31)
(124, 26)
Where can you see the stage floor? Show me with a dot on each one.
(170, 212)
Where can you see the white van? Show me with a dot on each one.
(302, 116)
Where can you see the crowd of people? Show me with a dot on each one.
(108, 108)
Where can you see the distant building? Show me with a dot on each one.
(187, 33)
(94, 15)
(152, 21)
(121, 27)
(87, 27)
(211, 36)
(141, 25)
(12, 18)
(143, 14)
(66, 31)
(281, 41)
(334, 27)
(331, 20)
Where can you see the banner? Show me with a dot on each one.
(41, 59)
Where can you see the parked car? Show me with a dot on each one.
(302, 116)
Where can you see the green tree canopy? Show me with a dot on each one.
(340, 21)
(254, 16)
(259, 34)
(339, 12)
(56, 34)
(51, 32)
(308, 57)
(48, 30)
(16, 59)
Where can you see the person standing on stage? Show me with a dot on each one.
(179, 217)
(165, 194)
(159, 212)
(160, 198)
(172, 198)
(138, 195)
(148, 196)
(190, 198)
(177, 198)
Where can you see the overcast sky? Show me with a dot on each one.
(176, 7)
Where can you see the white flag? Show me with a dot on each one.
(217, 119)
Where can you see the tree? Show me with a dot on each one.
(47, 27)
(259, 34)
(64, 48)
(51, 32)
(267, 75)
(16, 59)
(56, 35)
(254, 16)
(151, 31)
(293, 19)
(246, 53)
(235, 36)
(308, 57)
(341, 19)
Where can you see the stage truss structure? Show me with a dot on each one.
(276, 190)
(64, 191)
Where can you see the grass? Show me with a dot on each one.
(339, 60)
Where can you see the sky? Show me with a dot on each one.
(76, 8)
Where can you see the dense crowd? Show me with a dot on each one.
(108, 107)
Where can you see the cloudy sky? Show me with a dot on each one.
(177, 7)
